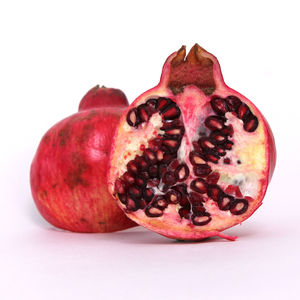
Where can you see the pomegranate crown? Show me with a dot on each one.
(195, 68)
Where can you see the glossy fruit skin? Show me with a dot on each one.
(172, 227)
(103, 97)
(68, 173)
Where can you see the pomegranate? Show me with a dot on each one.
(68, 173)
(191, 157)
(103, 97)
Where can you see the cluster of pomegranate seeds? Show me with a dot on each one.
(235, 105)
(156, 179)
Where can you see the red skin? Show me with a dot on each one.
(103, 97)
(68, 173)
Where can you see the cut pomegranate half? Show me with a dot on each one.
(191, 157)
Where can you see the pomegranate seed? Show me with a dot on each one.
(225, 202)
(168, 157)
(206, 143)
(135, 192)
(227, 161)
(141, 204)
(154, 144)
(243, 111)
(169, 178)
(132, 118)
(153, 182)
(196, 158)
(132, 167)
(144, 175)
(153, 171)
(220, 151)
(219, 106)
(141, 163)
(227, 130)
(239, 206)
(197, 147)
(153, 212)
(214, 192)
(163, 187)
(162, 169)
(175, 133)
(196, 199)
(172, 145)
(198, 210)
(182, 172)
(215, 122)
(199, 185)
(173, 196)
(201, 220)
(144, 113)
(141, 182)
(150, 156)
(233, 190)
(174, 164)
(163, 103)
(233, 103)
(202, 170)
(123, 198)
(152, 103)
(227, 145)
(184, 213)
(171, 112)
(249, 199)
(160, 202)
(131, 204)
(119, 186)
(128, 178)
(181, 188)
(160, 155)
(251, 124)
(213, 178)
(230, 189)
(184, 201)
(148, 194)
(171, 124)
(217, 137)
(214, 158)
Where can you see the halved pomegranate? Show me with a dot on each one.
(191, 157)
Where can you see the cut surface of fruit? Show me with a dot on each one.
(191, 157)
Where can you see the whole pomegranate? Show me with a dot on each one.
(68, 173)
(191, 157)
(102, 97)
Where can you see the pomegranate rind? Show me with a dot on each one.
(262, 155)
(98, 97)
(68, 174)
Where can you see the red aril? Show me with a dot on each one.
(208, 153)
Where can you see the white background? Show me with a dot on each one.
(52, 52)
